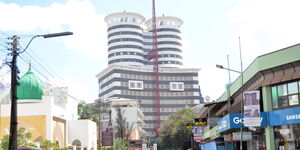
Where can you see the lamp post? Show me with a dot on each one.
(242, 90)
(14, 83)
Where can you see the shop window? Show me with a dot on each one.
(285, 95)
(282, 90)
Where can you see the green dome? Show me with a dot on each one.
(30, 87)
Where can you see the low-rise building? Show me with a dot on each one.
(49, 113)
(276, 78)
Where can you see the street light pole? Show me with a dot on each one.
(14, 83)
(242, 90)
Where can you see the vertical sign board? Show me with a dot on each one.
(251, 108)
(107, 133)
(198, 136)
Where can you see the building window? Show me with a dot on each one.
(176, 86)
(285, 95)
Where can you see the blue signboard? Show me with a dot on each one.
(284, 117)
(234, 120)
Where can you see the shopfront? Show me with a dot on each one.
(286, 125)
(229, 127)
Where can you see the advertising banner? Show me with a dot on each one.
(251, 108)
(107, 133)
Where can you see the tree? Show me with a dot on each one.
(47, 144)
(22, 139)
(174, 129)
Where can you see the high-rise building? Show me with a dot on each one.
(130, 75)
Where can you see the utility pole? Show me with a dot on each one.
(13, 121)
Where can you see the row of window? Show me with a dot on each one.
(169, 55)
(125, 19)
(170, 62)
(164, 42)
(141, 35)
(125, 40)
(125, 33)
(286, 95)
(141, 61)
(165, 49)
(125, 53)
(163, 36)
(140, 54)
(125, 60)
(161, 78)
(169, 102)
(167, 29)
(162, 94)
(125, 46)
(163, 86)
(124, 26)
(161, 110)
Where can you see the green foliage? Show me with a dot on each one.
(174, 129)
(86, 111)
(120, 144)
(47, 144)
(22, 139)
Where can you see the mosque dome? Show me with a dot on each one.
(30, 87)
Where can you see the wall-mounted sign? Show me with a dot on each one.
(236, 136)
(234, 120)
(284, 117)
(189, 126)
(200, 121)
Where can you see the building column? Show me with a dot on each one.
(269, 131)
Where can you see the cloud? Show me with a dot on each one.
(78, 16)
(264, 26)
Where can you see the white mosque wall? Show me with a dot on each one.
(83, 130)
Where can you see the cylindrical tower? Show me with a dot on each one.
(169, 41)
(125, 39)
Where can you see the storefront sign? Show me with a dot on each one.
(234, 120)
(226, 137)
(214, 132)
(200, 121)
(236, 136)
(284, 117)
(107, 133)
(251, 108)
(198, 136)
(206, 135)
(223, 124)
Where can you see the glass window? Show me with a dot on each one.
(274, 97)
(282, 101)
(299, 86)
(292, 88)
(293, 100)
(282, 90)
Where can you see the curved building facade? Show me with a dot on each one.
(169, 42)
(130, 40)
(125, 39)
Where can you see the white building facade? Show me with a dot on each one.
(129, 73)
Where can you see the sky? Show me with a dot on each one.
(211, 31)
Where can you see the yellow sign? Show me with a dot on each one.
(200, 121)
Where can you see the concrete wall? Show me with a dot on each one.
(83, 130)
